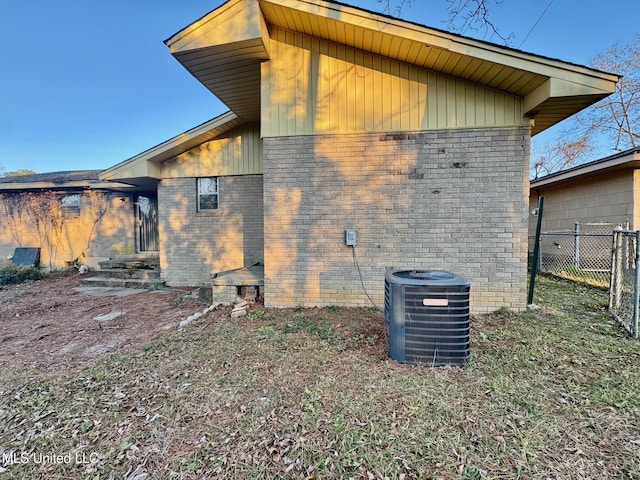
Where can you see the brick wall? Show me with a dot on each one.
(195, 244)
(454, 200)
(105, 223)
(608, 198)
(115, 233)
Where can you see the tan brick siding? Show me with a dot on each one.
(88, 238)
(454, 200)
(606, 199)
(195, 244)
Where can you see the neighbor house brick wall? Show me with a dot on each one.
(608, 198)
(114, 234)
(106, 223)
(454, 200)
(195, 244)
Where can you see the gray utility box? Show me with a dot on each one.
(427, 317)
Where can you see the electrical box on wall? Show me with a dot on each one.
(350, 237)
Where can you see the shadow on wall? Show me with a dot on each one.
(84, 234)
(195, 243)
(430, 200)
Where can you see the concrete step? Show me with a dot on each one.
(127, 273)
(114, 282)
(140, 261)
(141, 270)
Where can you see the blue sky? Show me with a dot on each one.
(87, 84)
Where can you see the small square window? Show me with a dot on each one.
(70, 205)
(208, 193)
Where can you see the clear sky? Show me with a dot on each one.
(87, 84)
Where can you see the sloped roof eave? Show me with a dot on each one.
(148, 163)
(548, 79)
(60, 180)
(627, 159)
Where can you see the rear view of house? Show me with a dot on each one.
(339, 118)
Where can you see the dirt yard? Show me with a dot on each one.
(53, 325)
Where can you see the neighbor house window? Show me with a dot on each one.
(70, 205)
(208, 193)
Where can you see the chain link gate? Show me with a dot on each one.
(582, 254)
(624, 298)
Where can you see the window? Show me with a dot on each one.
(70, 205)
(208, 193)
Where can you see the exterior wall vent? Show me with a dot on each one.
(427, 317)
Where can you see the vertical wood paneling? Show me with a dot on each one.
(313, 86)
(238, 152)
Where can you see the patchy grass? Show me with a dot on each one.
(311, 394)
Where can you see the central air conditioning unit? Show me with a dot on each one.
(427, 317)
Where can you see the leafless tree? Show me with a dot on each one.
(14, 214)
(563, 154)
(617, 117)
(612, 125)
(43, 209)
(38, 217)
(99, 202)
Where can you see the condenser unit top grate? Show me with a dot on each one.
(427, 317)
(425, 277)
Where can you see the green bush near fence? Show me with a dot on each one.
(12, 274)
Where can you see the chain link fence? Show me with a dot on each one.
(625, 280)
(598, 254)
(582, 254)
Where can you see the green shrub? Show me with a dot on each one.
(12, 274)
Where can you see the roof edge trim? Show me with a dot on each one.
(141, 162)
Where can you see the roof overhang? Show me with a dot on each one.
(629, 159)
(230, 42)
(66, 186)
(145, 169)
(61, 181)
(223, 50)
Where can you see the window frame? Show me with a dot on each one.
(201, 194)
(70, 210)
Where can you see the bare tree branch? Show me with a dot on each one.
(397, 9)
(571, 150)
(466, 15)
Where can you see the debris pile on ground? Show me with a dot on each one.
(240, 309)
(197, 315)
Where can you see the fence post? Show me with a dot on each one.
(615, 283)
(576, 245)
(536, 252)
(612, 271)
(636, 288)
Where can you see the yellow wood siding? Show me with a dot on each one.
(238, 152)
(313, 86)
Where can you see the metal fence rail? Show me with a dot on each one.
(624, 299)
(582, 254)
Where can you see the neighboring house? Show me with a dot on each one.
(73, 217)
(602, 191)
(341, 118)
